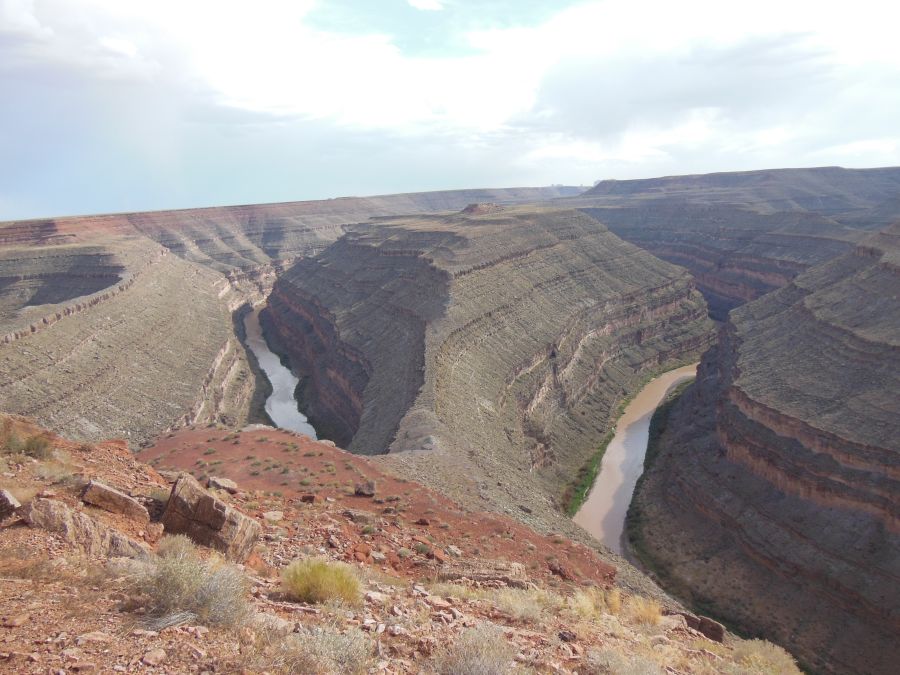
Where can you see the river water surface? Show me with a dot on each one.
(603, 513)
(281, 405)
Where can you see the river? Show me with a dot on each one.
(281, 406)
(603, 513)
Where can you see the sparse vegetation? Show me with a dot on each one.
(482, 650)
(319, 580)
(322, 650)
(603, 661)
(178, 586)
(759, 656)
(643, 611)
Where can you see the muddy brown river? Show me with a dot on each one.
(281, 406)
(603, 513)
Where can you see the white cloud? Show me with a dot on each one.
(598, 88)
(427, 5)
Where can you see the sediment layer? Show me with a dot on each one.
(774, 498)
(745, 234)
(500, 342)
(124, 323)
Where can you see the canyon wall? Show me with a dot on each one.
(486, 351)
(127, 324)
(774, 499)
(744, 234)
(130, 360)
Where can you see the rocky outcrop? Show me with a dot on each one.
(209, 521)
(774, 498)
(745, 234)
(94, 538)
(8, 504)
(114, 501)
(500, 341)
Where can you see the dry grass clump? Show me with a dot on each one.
(320, 580)
(524, 605)
(759, 656)
(643, 611)
(482, 650)
(593, 602)
(322, 650)
(603, 661)
(178, 586)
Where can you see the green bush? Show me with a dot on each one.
(319, 580)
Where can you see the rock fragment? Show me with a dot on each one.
(218, 483)
(366, 489)
(82, 530)
(8, 504)
(114, 501)
(209, 521)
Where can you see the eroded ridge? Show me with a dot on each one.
(745, 234)
(781, 465)
(500, 341)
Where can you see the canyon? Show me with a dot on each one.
(484, 352)
(744, 234)
(482, 343)
(128, 325)
(772, 500)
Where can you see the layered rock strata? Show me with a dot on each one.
(745, 234)
(775, 497)
(129, 324)
(501, 341)
(131, 361)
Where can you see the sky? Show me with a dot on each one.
(121, 105)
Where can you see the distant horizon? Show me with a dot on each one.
(198, 207)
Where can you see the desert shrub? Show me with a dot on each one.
(10, 442)
(524, 605)
(588, 603)
(180, 587)
(609, 661)
(482, 650)
(319, 580)
(759, 656)
(643, 611)
(38, 447)
(613, 600)
(322, 650)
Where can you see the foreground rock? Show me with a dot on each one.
(8, 504)
(110, 499)
(773, 499)
(209, 521)
(77, 528)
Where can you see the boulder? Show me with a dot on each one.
(712, 629)
(209, 521)
(8, 504)
(366, 489)
(110, 499)
(218, 483)
(81, 530)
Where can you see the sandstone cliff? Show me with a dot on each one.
(774, 497)
(744, 234)
(500, 342)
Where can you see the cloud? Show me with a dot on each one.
(427, 5)
(138, 104)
